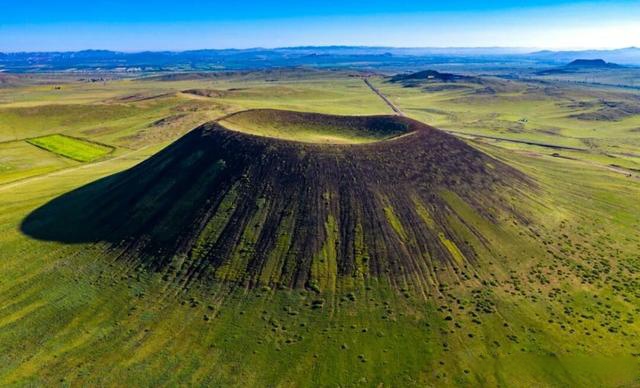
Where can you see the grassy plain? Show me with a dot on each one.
(563, 315)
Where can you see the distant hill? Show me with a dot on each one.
(582, 65)
(432, 79)
(592, 64)
(435, 81)
(429, 75)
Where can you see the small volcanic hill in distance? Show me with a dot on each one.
(435, 81)
(582, 65)
(293, 199)
(420, 77)
(592, 63)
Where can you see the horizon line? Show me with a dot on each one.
(533, 49)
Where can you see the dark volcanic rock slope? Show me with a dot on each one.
(221, 205)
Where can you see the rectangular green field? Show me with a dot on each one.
(71, 147)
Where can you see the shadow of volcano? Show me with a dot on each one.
(69, 218)
(157, 200)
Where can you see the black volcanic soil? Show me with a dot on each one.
(224, 205)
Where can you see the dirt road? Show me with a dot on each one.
(395, 109)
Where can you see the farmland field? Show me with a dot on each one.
(72, 148)
(516, 263)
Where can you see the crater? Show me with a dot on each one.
(319, 128)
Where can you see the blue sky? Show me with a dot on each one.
(39, 25)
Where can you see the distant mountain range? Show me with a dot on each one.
(326, 56)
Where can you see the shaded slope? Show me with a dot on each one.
(224, 205)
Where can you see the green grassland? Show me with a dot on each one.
(564, 313)
(564, 115)
(72, 148)
(19, 160)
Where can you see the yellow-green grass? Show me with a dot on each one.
(19, 160)
(122, 112)
(529, 112)
(73, 148)
(328, 92)
(19, 123)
